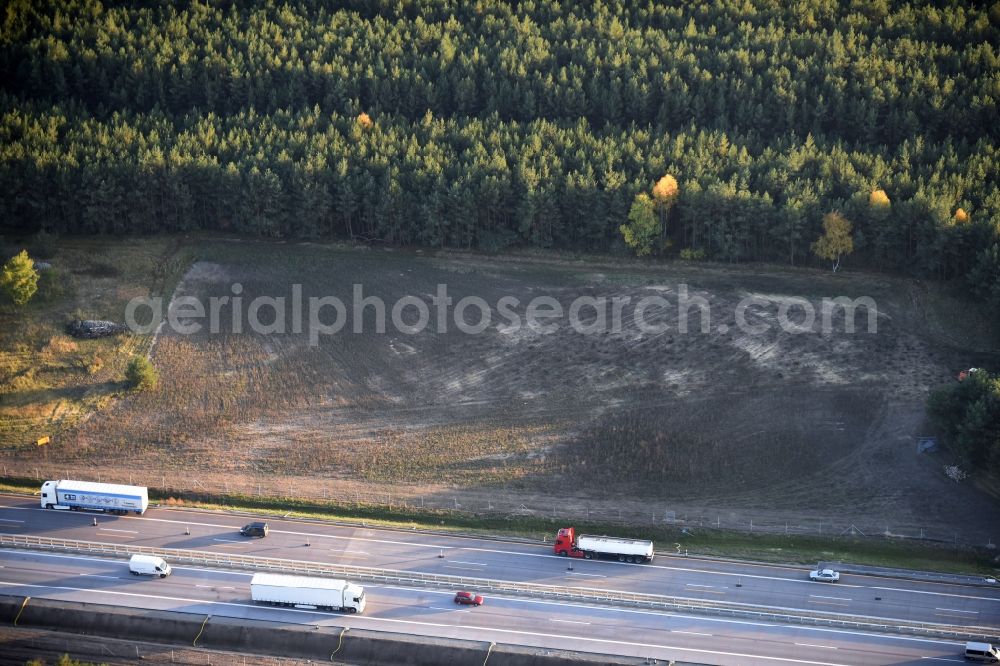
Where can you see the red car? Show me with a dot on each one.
(469, 599)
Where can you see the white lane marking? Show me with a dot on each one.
(762, 625)
(483, 550)
(99, 576)
(10, 520)
(828, 603)
(217, 587)
(216, 571)
(315, 534)
(825, 647)
(456, 610)
(111, 529)
(349, 552)
(447, 566)
(577, 573)
(689, 633)
(479, 630)
(955, 610)
(230, 541)
(961, 661)
(478, 564)
(936, 594)
(555, 619)
(105, 561)
(681, 616)
(820, 596)
(36, 554)
(554, 556)
(698, 585)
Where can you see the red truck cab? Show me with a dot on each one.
(565, 545)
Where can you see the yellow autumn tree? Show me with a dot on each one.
(665, 189)
(961, 217)
(665, 193)
(836, 240)
(879, 199)
(364, 120)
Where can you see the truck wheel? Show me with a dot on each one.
(48, 506)
(134, 573)
(621, 558)
(563, 553)
(588, 555)
(163, 575)
(352, 610)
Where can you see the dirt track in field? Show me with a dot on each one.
(723, 424)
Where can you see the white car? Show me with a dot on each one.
(824, 575)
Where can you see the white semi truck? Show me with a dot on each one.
(570, 544)
(303, 591)
(107, 497)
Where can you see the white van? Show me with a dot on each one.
(983, 652)
(148, 565)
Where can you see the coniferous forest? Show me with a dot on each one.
(492, 124)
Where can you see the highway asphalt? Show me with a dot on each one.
(504, 620)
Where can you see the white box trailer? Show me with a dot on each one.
(613, 546)
(107, 497)
(304, 591)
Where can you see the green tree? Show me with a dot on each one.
(643, 228)
(836, 240)
(19, 278)
(141, 375)
(968, 412)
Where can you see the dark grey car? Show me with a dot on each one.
(254, 530)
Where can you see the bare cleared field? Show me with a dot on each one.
(810, 426)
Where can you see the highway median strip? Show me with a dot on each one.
(563, 593)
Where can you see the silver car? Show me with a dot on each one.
(824, 575)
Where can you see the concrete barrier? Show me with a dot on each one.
(326, 643)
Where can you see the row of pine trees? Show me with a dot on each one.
(488, 124)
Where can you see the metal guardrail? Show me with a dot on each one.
(554, 592)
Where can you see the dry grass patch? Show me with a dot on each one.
(49, 381)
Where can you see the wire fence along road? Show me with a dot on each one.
(558, 510)
(577, 594)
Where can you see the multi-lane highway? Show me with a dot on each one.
(504, 620)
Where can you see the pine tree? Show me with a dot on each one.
(19, 278)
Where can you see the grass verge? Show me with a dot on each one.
(774, 548)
